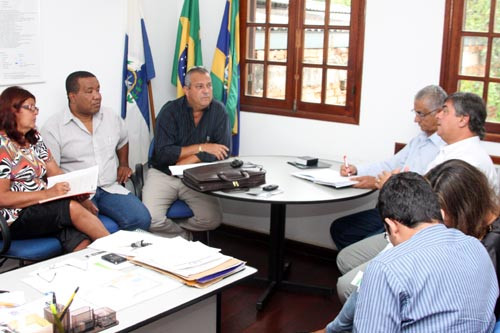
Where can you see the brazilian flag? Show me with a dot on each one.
(188, 46)
(226, 67)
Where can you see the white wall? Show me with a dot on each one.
(402, 54)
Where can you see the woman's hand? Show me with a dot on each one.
(58, 189)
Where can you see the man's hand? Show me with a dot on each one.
(219, 151)
(382, 178)
(123, 174)
(364, 182)
(89, 205)
(349, 170)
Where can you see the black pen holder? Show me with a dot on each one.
(47, 313)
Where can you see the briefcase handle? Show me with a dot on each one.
(236, 177)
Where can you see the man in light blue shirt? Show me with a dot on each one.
(435, 279)
(415, 156)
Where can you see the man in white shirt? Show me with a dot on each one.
(84, 135)
(461, 125)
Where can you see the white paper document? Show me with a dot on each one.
(327, 177)
(82, 181)
(178, 170)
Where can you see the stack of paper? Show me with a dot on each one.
(328, 177)
(192, 263)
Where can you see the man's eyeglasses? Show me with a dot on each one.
(31, 108)
(422, 114)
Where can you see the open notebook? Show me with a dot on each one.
(327, 177)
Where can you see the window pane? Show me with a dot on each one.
(497, 16)
(279, 11)
(477, 15)
(278, 42)
(338, 47)
(311, 84)
(340, 12)
(475, 87)
(495, 59)
(255, 80)
(276, 81)
(315, 12)
(256, 11)
(493, 105)
(256, 41)
(313, 46)
(336, 84)
(473, 56)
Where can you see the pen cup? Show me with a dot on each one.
(47, 313)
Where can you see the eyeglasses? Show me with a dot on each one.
(31, 108)
(422, 115)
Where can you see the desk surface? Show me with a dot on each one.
(295, 190)
(139, 314)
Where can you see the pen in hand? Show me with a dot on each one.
(347, 166)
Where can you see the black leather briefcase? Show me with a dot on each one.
(222, 176)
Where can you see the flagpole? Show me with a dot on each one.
(152, 107)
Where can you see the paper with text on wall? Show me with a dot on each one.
(82, 181)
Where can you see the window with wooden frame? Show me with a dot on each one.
(471, 54)
(302, 58)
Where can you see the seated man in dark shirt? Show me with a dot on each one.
(191, 129)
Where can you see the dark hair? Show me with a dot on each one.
(11, 100)
(409, 199)
(465, 196)
(469, 104)
(72, 85)
(194, 69)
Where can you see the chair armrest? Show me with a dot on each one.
(5, 231)
(137, 180)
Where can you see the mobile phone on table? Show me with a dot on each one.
(114, 258)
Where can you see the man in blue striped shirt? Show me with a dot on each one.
(435, 279)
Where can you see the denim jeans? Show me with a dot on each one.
(345, 319)
(126, 210)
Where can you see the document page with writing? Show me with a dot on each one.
(82, 181)
(327, 177)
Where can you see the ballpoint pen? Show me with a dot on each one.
(347, 166)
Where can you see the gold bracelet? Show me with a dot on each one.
(199, 149)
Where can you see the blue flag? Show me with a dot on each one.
(226, 68)
(138, 70)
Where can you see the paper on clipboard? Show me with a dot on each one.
(82, 181)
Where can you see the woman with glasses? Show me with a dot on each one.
(25, 162)
(468, 204)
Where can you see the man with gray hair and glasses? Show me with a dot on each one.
(191, 129)
(415, 156)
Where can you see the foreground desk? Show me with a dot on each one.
(183, 309)
(295, 191)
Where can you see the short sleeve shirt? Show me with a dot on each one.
(25, 167)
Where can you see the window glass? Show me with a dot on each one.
(279, 12)
(278, 43)
(276, 81)
(336, 82)
(477, 15)
(255, 80)
(313, 46)
(311, 84)
(473, 59)
(340, 12)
